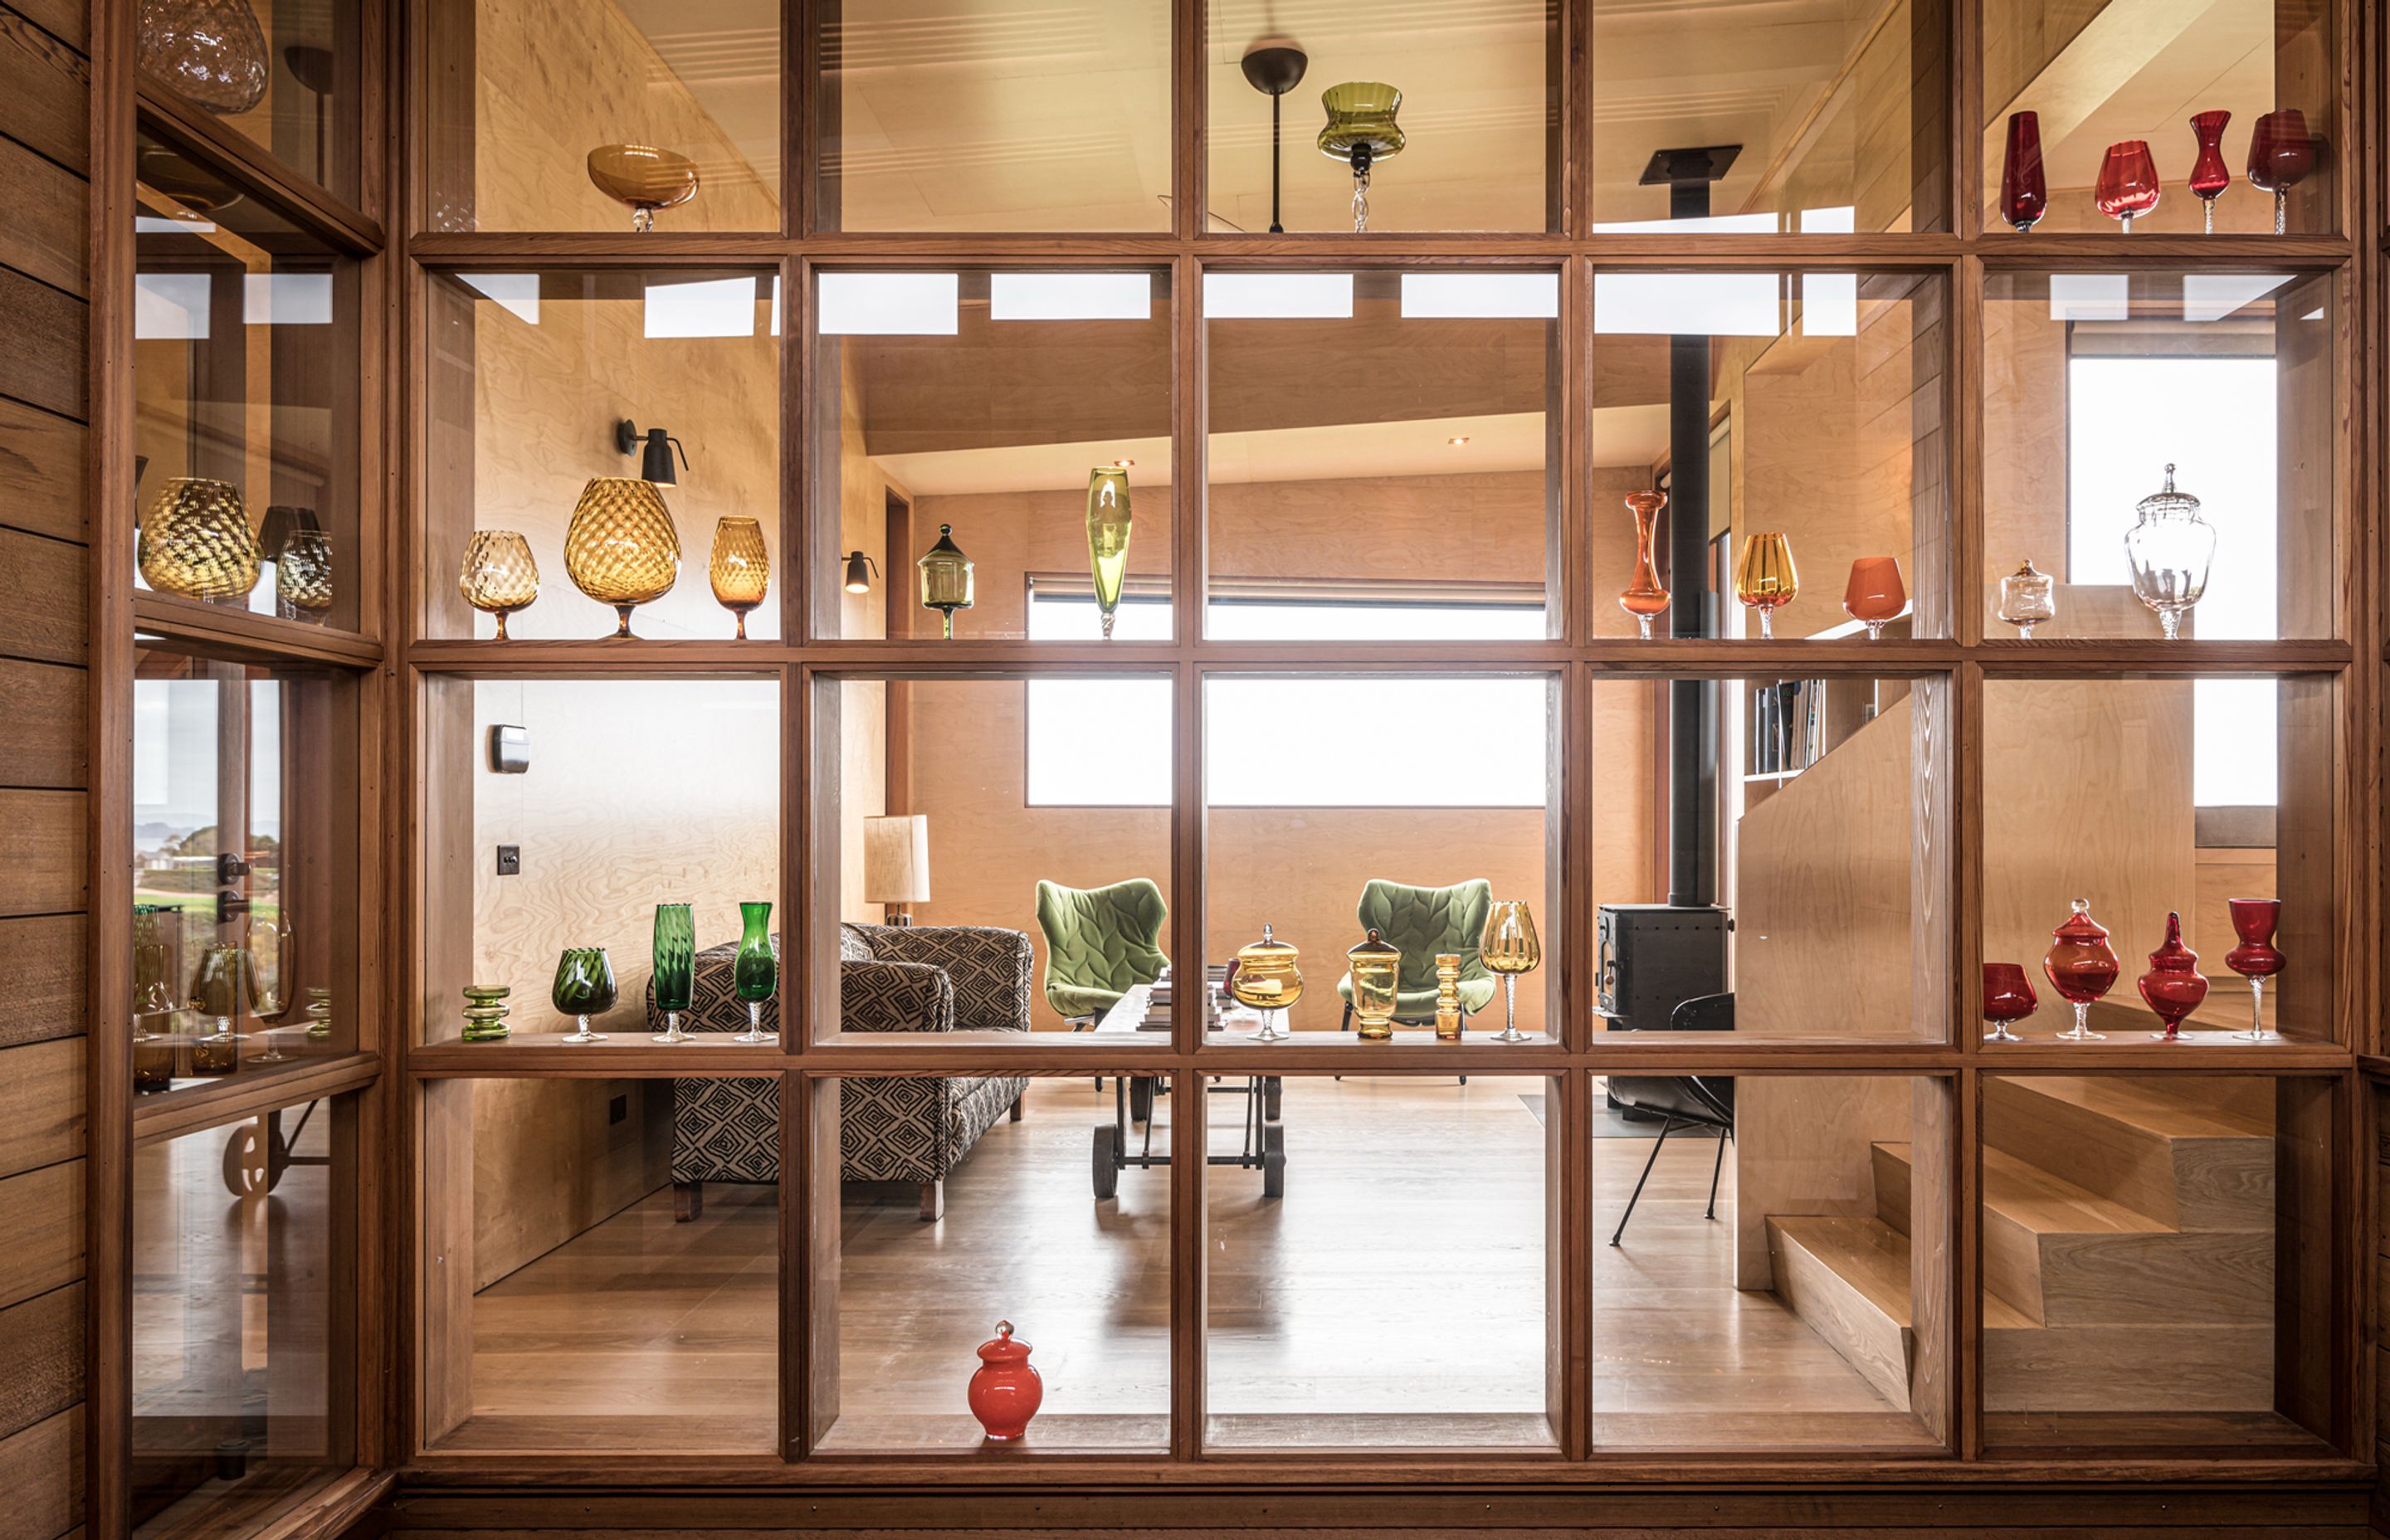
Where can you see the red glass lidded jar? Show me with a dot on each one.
(2082, 967)
(2174, 985)
(1004, 1390)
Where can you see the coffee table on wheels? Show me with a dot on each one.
(1262, 1147)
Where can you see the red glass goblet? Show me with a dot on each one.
(2209, 174)
(2008, 997)
(2174, 985)
(2082, 968)
(1875, 595)
(2129, 182)
(2280, 155)
(2025, 195)
(2256, 959)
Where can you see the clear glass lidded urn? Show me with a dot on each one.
(2169, 551)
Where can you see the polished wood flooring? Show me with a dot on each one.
(1396, 1295)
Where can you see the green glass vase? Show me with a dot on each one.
(1108, 532)
(756, 971)
(485, 1013)
(583, 988)
(675, 967)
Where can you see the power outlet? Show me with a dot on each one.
(617, 1110)
(510, 860)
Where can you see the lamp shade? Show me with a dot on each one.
(896, 859)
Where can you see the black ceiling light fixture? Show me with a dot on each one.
(1273, 66)
(656, 457)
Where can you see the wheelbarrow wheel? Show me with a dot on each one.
(1273, 1161)
(249, 1167)
(1140, 1099)
(1107, 1169)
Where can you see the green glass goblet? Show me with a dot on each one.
(675, 967)
(585, 987)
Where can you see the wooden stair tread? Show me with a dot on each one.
(2044, 1202)
(2146, 1109)
(1865, 1252)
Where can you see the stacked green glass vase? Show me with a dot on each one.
(486, 1012)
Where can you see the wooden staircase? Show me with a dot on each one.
(2127, 1250)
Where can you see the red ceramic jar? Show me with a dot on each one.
(2174, 985)
(1005, 1391)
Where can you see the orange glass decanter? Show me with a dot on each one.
(1645, 596)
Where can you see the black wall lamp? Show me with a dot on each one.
(859, 571)
(656, 458)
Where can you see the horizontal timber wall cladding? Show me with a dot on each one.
(45, 154)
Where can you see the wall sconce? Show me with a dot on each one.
(656, 458)
(860, 568)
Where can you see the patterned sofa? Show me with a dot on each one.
(891, 977)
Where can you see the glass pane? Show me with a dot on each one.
(245, 369)
(1781, 879)
(1020, 884)
(963, 1203)
(626, 426)
(2154, 1271)
(570, 810)
(2095, 384)
(1379, 1253)
(518, 138)
(1414, 496)
(1818, 399)
(1776, 1261)
(1822, 119)
(994, 115)
(2209, 799)
(984, 408)
(285, 77)
(579, 1295)
(1460, 110)
(245, 868)
(2096, 82)
(1441, 854)
(242, 1345)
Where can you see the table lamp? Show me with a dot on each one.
(896, 863)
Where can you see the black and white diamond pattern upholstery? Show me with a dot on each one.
(898, 1129)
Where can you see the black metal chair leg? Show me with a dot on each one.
(1719, 1165)
(1666, 1129)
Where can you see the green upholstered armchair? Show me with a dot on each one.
(1421, 922)
(1100, 942)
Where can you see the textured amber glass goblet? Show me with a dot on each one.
(499, 576)
(1766, 577)
(741, 568)
(197, 542)
(644, 177)
(302, 577)
(621, 548)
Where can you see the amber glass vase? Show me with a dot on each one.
(1765, 578)
(1108, 532)
(1645, 598)
(499, 576)
(1377, 970)
(621, 548)
(741, 568)
(197, 542)
(302, 577)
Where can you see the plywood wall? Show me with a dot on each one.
(44, 158)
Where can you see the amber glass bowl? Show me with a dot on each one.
(741, 568)
(644, 177)
(499, 576)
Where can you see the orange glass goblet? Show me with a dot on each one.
(1874, 594)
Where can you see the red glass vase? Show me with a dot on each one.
(2129, 182)
(2007, 998)
(2082, 968)
(2280, 155)
(2025, 195)
(1644, 596)
(1005, 1391)
(2209, 174)
(2174, 985)
(2256, 959)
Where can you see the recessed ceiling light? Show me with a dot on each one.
(1123, 464)
(1458, 440)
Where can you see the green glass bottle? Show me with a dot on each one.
(675, 967)
(1108, 532)
(756, 971)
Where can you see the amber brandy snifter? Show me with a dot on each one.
(1765, 578)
